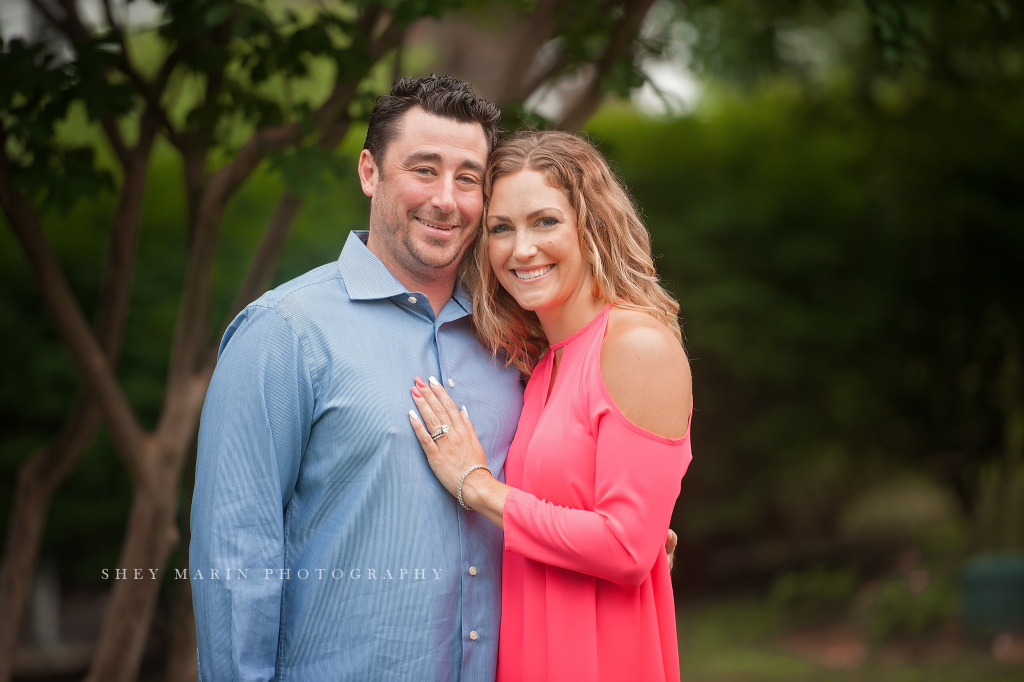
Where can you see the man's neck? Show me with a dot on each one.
(438, 289)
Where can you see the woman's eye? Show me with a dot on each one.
(497, 229)
(548, 222)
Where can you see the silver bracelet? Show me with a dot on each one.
(467, 472)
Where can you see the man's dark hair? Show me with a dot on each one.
(442, 96)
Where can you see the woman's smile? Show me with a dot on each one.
(531, 274)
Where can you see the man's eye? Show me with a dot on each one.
(423, 171)
(468, 179)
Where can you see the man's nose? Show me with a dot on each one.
(444, 197)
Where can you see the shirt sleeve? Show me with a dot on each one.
(637, 476)
(254, 429)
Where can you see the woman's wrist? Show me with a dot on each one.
(474, 487)
(485, 494)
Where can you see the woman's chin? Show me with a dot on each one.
(530, 301)
(527, 300)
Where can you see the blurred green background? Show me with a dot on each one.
(847, 247)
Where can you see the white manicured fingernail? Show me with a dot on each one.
(412, 415)
(465, 411)
(433, 381)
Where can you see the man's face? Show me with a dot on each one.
(426, 195)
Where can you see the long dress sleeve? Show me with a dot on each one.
(637, 479)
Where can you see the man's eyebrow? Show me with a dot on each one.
(434, 157)
(422, 156)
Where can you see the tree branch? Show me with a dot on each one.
(86, 351)
(265, 261)
(542, 76)
(108, 10)
(109, 123)
(389, 39)
(257, 279)
(75, 30)
(531, 33)
(189, 348)
(620, 43)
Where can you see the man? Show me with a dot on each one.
(322, 545)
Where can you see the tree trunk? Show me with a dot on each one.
(182, 664)
(40, 476)
(37, 481)
(151, 536)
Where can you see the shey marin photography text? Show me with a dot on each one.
(275, 573)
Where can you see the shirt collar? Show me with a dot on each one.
(367, 278)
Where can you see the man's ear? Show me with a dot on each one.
(369, 174)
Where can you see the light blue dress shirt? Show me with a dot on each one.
(323, 547)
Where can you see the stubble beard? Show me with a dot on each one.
(431, 264)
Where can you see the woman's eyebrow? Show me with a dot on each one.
(532, 215)
(552, 209)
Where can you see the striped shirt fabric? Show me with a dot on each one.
(323, 547)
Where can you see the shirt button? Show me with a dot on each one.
(451, 383)
(412, 299)
(472, 570)
(473, 635)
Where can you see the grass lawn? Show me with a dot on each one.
(745, 641)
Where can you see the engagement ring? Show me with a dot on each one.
(440, 432)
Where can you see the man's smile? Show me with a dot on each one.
(444, 227)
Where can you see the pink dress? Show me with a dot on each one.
(586, 593)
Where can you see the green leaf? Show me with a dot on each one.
(309, 168)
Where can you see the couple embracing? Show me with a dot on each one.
(399, 507)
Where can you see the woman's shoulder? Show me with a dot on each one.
(646, 372)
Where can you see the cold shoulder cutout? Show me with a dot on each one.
(646, 373)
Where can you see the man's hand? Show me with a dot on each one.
(670, 547)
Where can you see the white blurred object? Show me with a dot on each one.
(675, 89)
(672, 89)
(19, 20)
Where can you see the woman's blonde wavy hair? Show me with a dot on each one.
(613, 240)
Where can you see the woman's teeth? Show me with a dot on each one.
(534, 274)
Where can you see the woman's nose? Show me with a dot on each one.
(525, 247)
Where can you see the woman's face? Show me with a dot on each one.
(532, 242)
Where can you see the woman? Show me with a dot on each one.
(565, 288)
